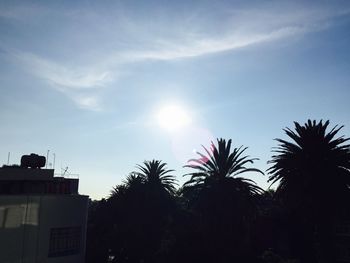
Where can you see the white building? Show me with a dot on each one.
(42, 217)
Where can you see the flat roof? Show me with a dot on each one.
(28, 174)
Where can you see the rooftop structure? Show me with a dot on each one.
(17, 180)
(42, 217)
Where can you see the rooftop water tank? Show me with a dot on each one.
(33, 161)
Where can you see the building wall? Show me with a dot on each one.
(32, 226)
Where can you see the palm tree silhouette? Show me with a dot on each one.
(221, 166)
(225, 201)
(155, 175)
(152, 188)
(313, 172)
(118, 191)
(140, 208)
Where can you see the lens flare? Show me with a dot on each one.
(186, 145)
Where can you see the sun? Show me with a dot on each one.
(173, 117)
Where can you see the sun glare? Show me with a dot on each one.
(173, 118)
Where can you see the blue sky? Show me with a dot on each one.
(87, 79)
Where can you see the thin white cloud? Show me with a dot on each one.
(63, 76)
(73, 82)
(244, 28)
(169, 39)
(206, 46)
(87, 102)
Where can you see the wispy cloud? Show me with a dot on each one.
(63, 76)
(204, 46)
(168, 39)
(242, 29)
(79, 84)
(87, 102)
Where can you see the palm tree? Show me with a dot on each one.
(313, 172)
(152, 202)
(155, 174)
(224, 200)
(314, 164)
(140, 208)
(118, 191)
(221, 166)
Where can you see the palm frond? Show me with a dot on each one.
(221, 163)
(155, 174)
(311, 158)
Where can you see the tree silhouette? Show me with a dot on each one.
(313, 172)
(219, 215)
(225, 201)
(221, 165)
(140, 208)
(155, 175)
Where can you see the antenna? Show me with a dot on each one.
(47, 158)
(65, 170)
(54, 160)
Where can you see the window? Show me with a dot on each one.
(64, 241)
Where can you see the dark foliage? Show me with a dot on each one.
(225, 202)
(220, 216)
(313, 172)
